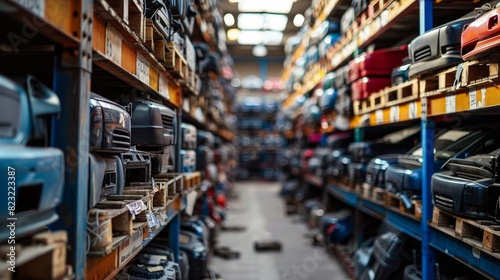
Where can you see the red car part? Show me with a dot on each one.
(378, 63)
(482, 36)
(364, 87)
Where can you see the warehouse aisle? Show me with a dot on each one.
(261, 210)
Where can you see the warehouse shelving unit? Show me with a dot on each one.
(74, 45)
(426, 100)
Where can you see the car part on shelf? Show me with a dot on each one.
(136, 166)
(106, 177)
(109, 125)
(405, 177)
(188, 133)
(337, 227)
(386, 256)
(188, 160)
(197, 254)
(153, 124)
(38, 188)
(438, 48)
(481, 37)
(463, 189)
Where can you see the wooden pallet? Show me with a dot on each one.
(178, 182)
(374, 102)
(111, 218)
(480, 234)
(440, 83)
(360, 107)
(372, 193)
(158, 193)
(174, 61)
(152, 35)
(191, 82)
(376, 7)
(130, 12)
(476, 73)
(402, 93)
(192, 180)
(41, 256)
(394, 201)
(377, 100)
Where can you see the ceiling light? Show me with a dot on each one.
(233, 34)
(250, 37)
(270, 6)
(234, 1)
(259, 51)
(262, 21)
(229, 20)
(298, 20)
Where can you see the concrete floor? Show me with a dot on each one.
(261, 210)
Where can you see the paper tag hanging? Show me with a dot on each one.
(136, 207)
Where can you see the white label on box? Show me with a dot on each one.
(394, 114)
(191, 201)
(185, 105)
(483, 98)
(451, 103)
(472, 98)
(113, 47)
(384, 18)
(163, 87)
(412, 110)
(136, 207)
(379, 117)
(424, 108)
(142, 69)
(37, 7)
(129, 247)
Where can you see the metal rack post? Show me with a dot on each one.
(71, 83)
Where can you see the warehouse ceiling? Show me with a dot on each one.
(275, 52)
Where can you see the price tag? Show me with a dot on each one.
(472, 98)
(394, 114)
(152, 221)
(412, 110)
(451, 103)
(379, 117)
(113, 47)
(136, 207)
(37, 7)
(163, 87)
(142, 69)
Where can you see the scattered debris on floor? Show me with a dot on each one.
(235, 228)
(226, 253)
(267, 245)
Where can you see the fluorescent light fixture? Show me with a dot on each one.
(259, 51)
(270, 6)
(233, 34)
(229, 19)
(262, 21)
(298, 20)
(251, 37)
